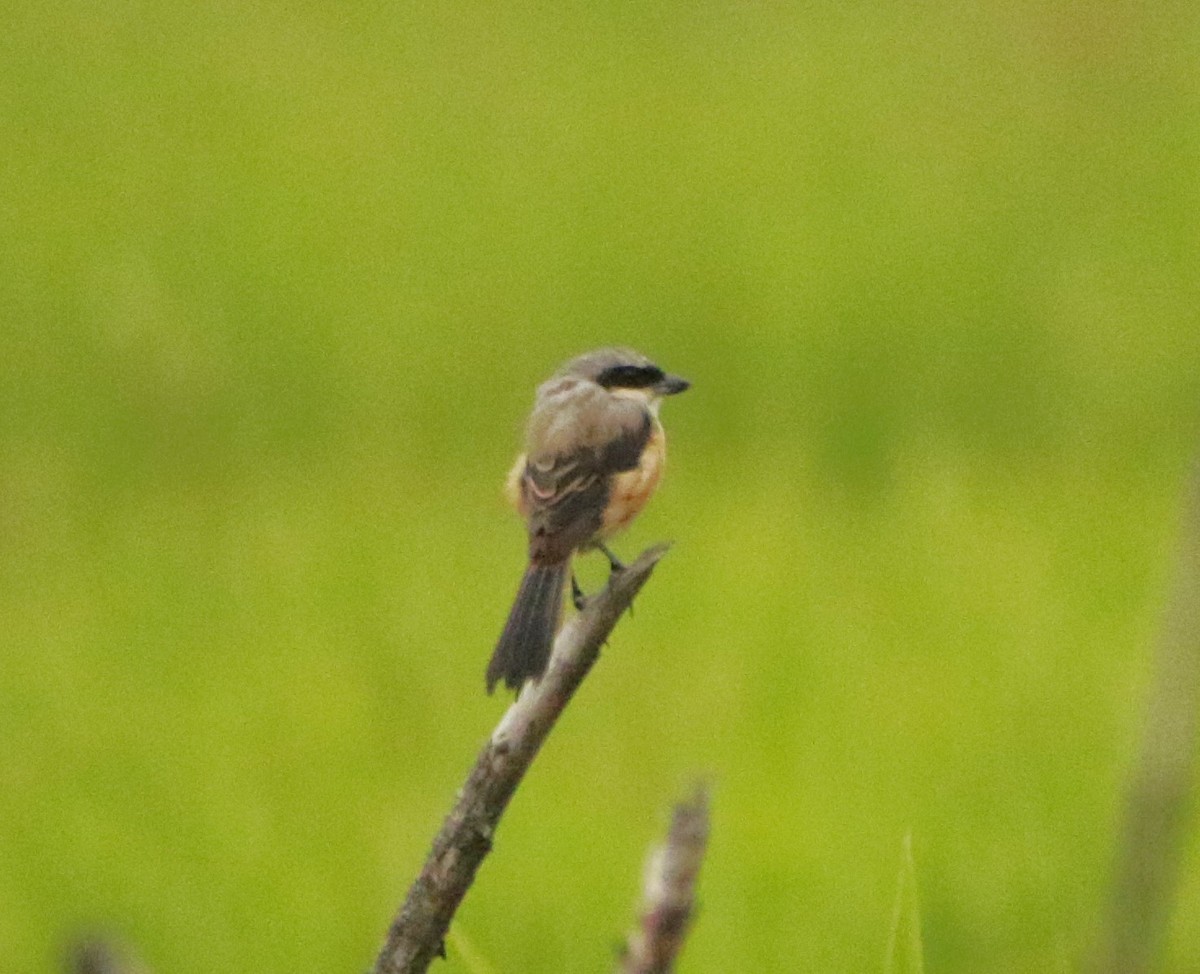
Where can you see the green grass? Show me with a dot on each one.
(277, 285)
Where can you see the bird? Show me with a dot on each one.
(594, 453)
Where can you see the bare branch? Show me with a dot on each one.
(416, 935)
(1161, 785)
(669, 891)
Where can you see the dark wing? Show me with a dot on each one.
(566, 493)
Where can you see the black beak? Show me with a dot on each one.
(671, 385)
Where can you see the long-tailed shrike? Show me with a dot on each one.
(594, 453)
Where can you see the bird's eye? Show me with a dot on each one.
(630, 376)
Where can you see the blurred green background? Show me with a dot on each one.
(276, 284)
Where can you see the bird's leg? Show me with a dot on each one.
(578, 599)
(614, 562)
(615, 565)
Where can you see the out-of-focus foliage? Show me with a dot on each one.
(276, 284)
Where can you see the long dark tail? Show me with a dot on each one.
(524, 647)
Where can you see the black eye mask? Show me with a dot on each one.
(630, 376)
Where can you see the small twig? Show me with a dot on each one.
(669, 891)
(1161, 785)
(416, 935)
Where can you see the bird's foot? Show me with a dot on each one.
(614, 563)
(578, 599)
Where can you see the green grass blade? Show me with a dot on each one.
(472, 959)
(905, 949)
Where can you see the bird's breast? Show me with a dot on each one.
(630, 490)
